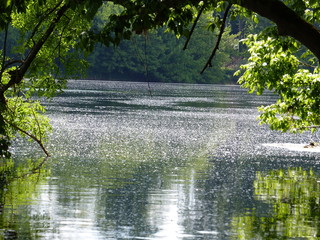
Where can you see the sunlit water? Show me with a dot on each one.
(165, 162)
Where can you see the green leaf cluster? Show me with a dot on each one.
(274, 65)
(27, 116)
(38, 55)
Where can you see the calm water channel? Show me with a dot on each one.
(181, 162)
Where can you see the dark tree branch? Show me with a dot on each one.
(289, 23)
(36, 48)
(4, 51)
(35, 169)
(18, 74)
(29, 135)
(11, 62)
(194, 26)
(307, 64)
(311, 127)
(44, 17)
(222, 28)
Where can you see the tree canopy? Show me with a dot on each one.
(284, 57)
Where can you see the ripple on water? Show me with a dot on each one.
(178, 165)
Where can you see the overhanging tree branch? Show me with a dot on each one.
(289, 23)
(37, 140)
(311, 127)
(43, 18)
(4, 52)
(35, 169)
(222, 28)
(18, 74)
(194, 26)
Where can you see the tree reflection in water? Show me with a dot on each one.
(294, 194)
(18, 183)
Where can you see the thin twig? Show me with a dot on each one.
(34, 170)
(310, 127)
(59, 47)
(194, 26)
(11, 62)
(223, 25)
(38, 124)
(144, 60)
(146, 64)
(31, 136)
(307, 64)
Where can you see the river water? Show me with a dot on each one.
(165, 161)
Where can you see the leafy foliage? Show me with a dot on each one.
(274, 65)
(38, 62)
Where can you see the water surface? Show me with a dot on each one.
(166, 162)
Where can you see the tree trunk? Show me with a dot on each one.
(288, 22)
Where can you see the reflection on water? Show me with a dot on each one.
(188, 162)
(294, 195)
(18, 189)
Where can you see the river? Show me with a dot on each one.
(165, 161)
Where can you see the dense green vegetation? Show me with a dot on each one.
(156, 56)
(53, 34)
(159, 56)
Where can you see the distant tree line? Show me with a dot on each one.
(158, 56)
